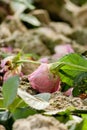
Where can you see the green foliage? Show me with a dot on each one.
(79, 2)
(84, 116)
(22, 8)
(84, 125)
(76, 126)
(72, 70)
(21, 5)
(10, 90)
(32, 101)
(30, 19)
(69, 66)
(6, 119)
(23, 112)
(44, 96)
(80, 84)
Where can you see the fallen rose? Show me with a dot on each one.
(9, 68)
(10, 73)
(6, 60)
(43, 80)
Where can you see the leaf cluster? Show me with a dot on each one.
(69, 67)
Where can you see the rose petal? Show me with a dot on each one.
(68, 92)
(43, 80)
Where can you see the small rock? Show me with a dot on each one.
(61, 27)
(2, 127)
(81, 18)
(79, 35)
(38, 122)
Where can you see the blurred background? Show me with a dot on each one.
(39, 25)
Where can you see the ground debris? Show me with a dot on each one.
(59, 101)
(25, 86)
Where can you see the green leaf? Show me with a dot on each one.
(75, 92)
(80, 84)
(59, 112)
(10, 90)
(19, 109)
(6, 119)
(84, 126)
(34, 102)
(17, 57)
(84, 116)
(79, 2)
(1, 103)
(69, 66)
(18, 102)
(28, 4)
(19, 6)
(32, 20)
(23, 112)
(44, 96)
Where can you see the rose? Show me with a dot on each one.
(43, 80)
(8, 68)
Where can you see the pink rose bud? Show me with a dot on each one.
(43, 80)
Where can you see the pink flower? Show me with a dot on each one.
(62, 50)
(6, 49)
(43, 80)
(6, 60)
(10, 73)
(8, 68)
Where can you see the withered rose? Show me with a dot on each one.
(8, 68)
(43, 80)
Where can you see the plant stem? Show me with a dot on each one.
(28, 61)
